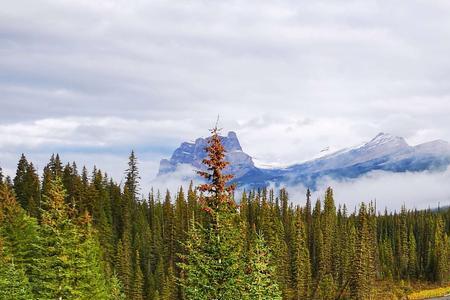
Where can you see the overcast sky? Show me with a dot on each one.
(94, 79)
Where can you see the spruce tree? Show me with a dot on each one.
(60, 240)
(26, 187)
(441, 253)
(69, 265)
(326, 289)
(402, 248)
(412, 255)
(169, 291)
(115, 289)
(90, 269)
(123, 265)
(19, 234)
(328, 225)
(363, 269)
(213, 265)
(14, 284)
(317, 241)
(302, 262)
(138, 280)
(261, 281)
(18, 239)
(132, 175)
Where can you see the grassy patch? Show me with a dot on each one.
(401, 290)
(425, 294)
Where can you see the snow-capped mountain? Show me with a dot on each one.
(193, 153)
(384, 152)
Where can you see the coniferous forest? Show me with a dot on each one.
(78, 234)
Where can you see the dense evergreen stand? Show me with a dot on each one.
(75, 235)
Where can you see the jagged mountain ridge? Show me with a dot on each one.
(384, 152)
(192, 153)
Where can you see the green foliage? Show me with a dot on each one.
(302, 262)
(363, 273)
(326, 288)
(115, 289)
(261, 281)
(124, 266)
(90, 267)
(132, 175)
(69, 265)
(83, 236)
(58, 253)
(213, 264)
(14, 284)
(441, 246)
(138, 279)
(26, 186)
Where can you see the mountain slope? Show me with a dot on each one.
(193, 154)
(384, 152)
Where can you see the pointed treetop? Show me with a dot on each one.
(132, 175)
(217, 189)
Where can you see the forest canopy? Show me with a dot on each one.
(78, 234)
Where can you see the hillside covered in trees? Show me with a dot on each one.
(75, 234)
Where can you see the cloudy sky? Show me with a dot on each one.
(94, 79)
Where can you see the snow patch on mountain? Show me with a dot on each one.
(194, 153)
(385, 152)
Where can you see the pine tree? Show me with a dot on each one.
(60, 239)
(26, 186)
(157, 297)
(69, 265)
(19, 234)
(326, 289)
(317, 241)
(412, 255)
(159, 274)
(261, 283)
(213, 264)
(115, 289)
(363, 269)
(19, 181)
(302, 261)
(124, 255)
(123, 265)
(402, 248)
(271, 226)
(195, 283)
(169, 291)
(168, 230)
(14, 283)
(132, 175)
(328, 224)
(180, 221)
(441, 253)
(309, 222)
(18, 238)
(180, 229)
(90, 270)
(138, 280)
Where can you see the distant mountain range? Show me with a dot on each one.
(384, 152)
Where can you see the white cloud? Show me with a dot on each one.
(389, 190)
(173, 181)
(291, 77)
(91, 132)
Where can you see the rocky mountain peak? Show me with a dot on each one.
(385, 152)
(193, 154)
(386, 138)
